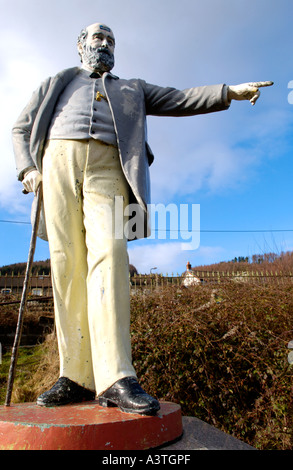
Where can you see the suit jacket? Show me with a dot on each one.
(130, 102)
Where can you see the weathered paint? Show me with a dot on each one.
(88, 426)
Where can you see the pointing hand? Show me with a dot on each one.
(247, 91)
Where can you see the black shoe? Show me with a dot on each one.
(65, 391)
(130, 397)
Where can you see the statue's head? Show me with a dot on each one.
(96, 45)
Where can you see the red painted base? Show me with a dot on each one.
(86, 426)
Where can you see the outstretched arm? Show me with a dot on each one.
(246, 91)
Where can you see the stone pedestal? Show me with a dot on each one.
(86, 426)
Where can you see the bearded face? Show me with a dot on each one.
(100, 58)
(96, 48)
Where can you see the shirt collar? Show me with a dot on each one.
(96, 75)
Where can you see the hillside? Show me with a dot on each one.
(39, 267)
(259, 262)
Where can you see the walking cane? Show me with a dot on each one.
(14, 354)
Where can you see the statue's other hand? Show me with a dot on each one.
(246, 91)
(31, 181)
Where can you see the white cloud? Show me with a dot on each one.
(164, 256)
(188, 162)
(169, 257)
(22, 72)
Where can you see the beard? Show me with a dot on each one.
(100, 59)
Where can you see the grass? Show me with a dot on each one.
(36, 370)
(27, 364)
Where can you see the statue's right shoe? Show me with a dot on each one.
(65, 391)
(130, 397)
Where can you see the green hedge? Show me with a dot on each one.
(222, 355)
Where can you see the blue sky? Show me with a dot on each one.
(236, 164)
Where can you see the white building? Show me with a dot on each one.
(190, 279)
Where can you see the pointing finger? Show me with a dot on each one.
(260, 84)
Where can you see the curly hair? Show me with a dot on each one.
(81, 40)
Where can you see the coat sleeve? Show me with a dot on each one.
(22, 129)
(168, 101)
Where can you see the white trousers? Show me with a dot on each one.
(90, 270)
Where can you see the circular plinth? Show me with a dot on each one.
(86, 426)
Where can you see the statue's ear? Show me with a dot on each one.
(79, 48)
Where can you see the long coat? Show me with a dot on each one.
(130, 102)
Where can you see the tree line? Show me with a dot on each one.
(40, 268)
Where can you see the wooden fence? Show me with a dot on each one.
(40, 285)
(197, 278)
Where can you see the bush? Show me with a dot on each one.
(225, 363)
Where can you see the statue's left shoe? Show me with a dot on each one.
(128, 395)
(65, 391)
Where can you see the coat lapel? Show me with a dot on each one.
(45, 112)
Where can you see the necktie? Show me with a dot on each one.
(95, 75)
